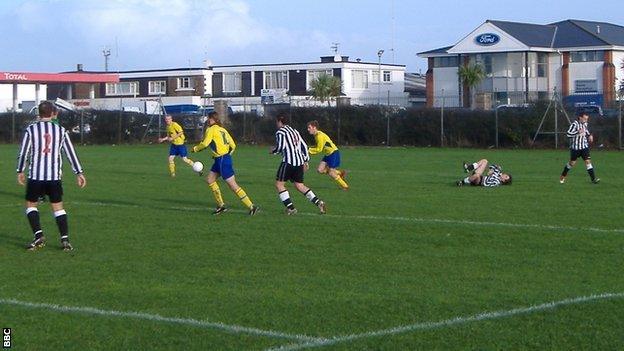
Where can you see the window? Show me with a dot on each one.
(314, 74)
(538, 64)
(157, 87)
(184, 83)
(276, 80)
(587, 56)
(122, 88)
(232, 82)
(387, 76)
(359, 79)
(449, 61)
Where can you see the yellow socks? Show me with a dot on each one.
(188, 161)
(341, 182)
(217, 193)
(242, 195)
(172, 169)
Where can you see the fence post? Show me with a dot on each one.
(13, 126)
(119, 122)
(496, 125)
(81, 127)
(244, 117)
(620, 121)
(388, 121)
(442, 120)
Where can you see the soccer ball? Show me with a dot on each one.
(198, 166)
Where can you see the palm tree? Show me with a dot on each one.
(471, 76)
(326, 87)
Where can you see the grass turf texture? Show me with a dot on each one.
(394, 250)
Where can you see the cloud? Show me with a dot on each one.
(159, 33)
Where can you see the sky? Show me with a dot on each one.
(55, 35)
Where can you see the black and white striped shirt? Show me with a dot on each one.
(41, 148)
(493, 179)
(578, 140)
(293, 148)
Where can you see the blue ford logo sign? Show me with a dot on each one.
(487, 39)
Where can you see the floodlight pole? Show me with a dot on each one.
(379, 53)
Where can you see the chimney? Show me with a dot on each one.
(79, 67)
(598, 29)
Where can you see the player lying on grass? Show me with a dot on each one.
(331, 161)
(222, 146)
(494, 177)
(175, 135)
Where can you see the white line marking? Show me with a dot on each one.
(236, 329)
(449, 322)
(389, 218)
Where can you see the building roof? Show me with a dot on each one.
(559, 35)
(588, 33)
(533, 35)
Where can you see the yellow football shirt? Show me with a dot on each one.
(174, 129)
(323, 144)
(218, 140)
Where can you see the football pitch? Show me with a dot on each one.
(405, 260)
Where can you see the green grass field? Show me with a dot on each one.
(404, 260)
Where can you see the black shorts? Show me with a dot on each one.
(583, 153)
(38, 188)
(287, 172)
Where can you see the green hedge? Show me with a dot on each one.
(347, 125)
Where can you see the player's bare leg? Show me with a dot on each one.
(476, 169)
(322, 167)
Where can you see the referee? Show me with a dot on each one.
(580, 138)
(41, 149)
(294, 150)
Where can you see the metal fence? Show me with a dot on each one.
(541, 123)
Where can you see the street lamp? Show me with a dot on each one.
(379, 53)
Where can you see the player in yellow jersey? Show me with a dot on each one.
(331, 161)
(222, 146)
(175, 135)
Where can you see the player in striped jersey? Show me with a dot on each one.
(41, 149)
(331, 161)
(295, 157)
(222, 146)
(494, 177)
(175, 134)
(580, 138)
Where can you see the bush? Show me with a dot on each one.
(347, 125)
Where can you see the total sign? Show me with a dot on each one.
(487, 39)
(15, 76)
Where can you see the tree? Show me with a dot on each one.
(471, 76)
(326, 87)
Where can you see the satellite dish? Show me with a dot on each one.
(337, 58)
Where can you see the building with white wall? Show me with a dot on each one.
(526, 62)
(255, 84)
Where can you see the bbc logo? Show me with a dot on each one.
(6, 338)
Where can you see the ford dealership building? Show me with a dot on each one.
(523, 62)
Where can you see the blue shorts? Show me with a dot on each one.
(333, 159)
(223, 166)
(178, 150)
